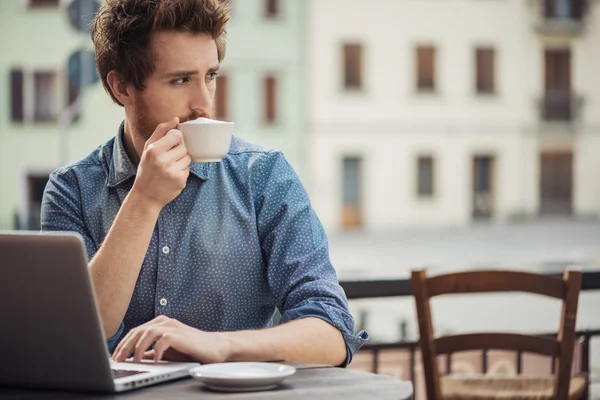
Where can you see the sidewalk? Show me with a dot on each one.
(544, 246)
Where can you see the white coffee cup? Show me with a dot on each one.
(206, 140)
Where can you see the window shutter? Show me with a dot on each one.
(16, 85)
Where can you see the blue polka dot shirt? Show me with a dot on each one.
(239, 242)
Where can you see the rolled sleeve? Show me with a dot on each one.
(334, 317)
(295, 248)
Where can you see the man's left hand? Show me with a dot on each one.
(173, 341)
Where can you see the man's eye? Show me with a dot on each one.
(181, 81)
(213, 75)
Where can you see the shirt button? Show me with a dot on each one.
(163, 302)
(166, 249)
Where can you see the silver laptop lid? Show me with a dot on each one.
(51, 335)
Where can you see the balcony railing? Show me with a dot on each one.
(560, 106)
(561, 17)
(403, 358)
(565, 10)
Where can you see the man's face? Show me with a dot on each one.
(183, 83)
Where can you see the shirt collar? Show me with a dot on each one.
(121, 168)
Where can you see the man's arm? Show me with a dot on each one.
(316, 324)
(115, 266)
(296, 252)
(161, 176)
(309, 340)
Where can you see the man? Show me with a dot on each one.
(190, 260)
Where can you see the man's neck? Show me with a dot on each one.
(134, 144)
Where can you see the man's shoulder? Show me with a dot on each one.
(90, 163)
(245, 154)
(241, 146)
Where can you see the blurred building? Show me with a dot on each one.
(439, 113)
(36, 43)
(402, 113)
(261, 84)
(261, 88)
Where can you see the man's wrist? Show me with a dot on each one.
(143, 202)
(232, 345)
(249, 345)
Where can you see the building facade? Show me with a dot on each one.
(439, 113)
(264, 70)
(36, 43)
(260, 88)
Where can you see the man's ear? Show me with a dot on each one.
(122, 90)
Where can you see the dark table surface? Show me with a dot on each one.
(309, 382)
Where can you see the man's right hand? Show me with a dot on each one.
(164, 166)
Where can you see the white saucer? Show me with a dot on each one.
(242, 376)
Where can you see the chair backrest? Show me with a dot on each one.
(567, 289)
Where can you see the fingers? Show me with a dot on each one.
(161, 130)
(171, 139)
(178, 152)
(162, 345)
(165, 333)
(183, 164)
(168, 151)
(149, 355)
(146, 339)
(127, 344)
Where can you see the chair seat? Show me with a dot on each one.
(490, 387)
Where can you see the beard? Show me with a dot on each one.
(144, 122)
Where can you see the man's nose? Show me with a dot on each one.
(201, 101)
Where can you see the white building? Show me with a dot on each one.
(439, 112)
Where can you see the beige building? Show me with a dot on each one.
(438, 113)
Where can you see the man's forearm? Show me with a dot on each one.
(116, 265)
(309, 340)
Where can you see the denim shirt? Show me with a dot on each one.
(240, 241)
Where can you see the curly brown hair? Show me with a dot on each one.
(121, 32)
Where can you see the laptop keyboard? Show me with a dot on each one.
(121, 373)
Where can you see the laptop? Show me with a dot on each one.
(51, 335)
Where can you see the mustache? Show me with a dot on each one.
(194, 115)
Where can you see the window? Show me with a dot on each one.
(272, 8)
(16, 87)
(352, 54)
(45, 96)
(36, 95)
(270, 100)
(222, 98)
(483, 185)
(425, 68)
(72, 93)
(351, 192)
(558, 102)
(43, 3)
(484, 75)
(35, 191)
(425, 183)
(567, 10)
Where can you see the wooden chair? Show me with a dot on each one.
(560, 386)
